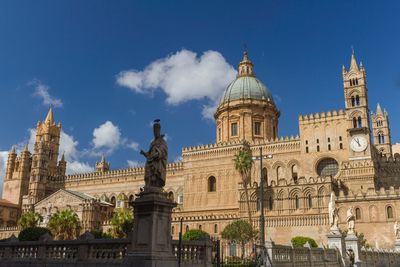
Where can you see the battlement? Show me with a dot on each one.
(323, 116)
(171, 167)
(281, 144)
(369, 194)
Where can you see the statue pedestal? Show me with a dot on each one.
(336, 240)
(397, 245)
(151, 239)
(353, 243)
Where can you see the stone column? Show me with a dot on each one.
(151, 238)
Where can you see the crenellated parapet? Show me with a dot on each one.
(322, 117)
(118, 173)
(284, 144)
(369, 194)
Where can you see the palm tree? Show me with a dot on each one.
(122, 221)
(243, 164)
(64, 225)
(30, 219)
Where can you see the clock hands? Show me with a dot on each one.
(358, 141)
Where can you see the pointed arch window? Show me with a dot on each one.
(215, 228)
(381, 138)
(389, 212)
(358, 214)
(359, 122)
(278, 173)
(357, 100)
(294, 173)
(270, 203)
(309, 200)
(353, 101)
(212, 184)
(296, 202)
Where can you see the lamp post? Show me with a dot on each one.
(262, 217)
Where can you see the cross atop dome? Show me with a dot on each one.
(245, 66)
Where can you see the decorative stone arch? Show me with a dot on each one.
(358, 213)
(325, 156)
(389, 212)
(279, 171)
(373, 213)
(294, 168)
(295, 198)
(105, 198)
(322, 196)
(211, 183)
(113, 198)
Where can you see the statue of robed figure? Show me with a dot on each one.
(156, 159)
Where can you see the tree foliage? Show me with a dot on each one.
(195, 234)
(64, 225)
(243, 163)
(33, 233)
(30, 219)
(99, 234)
(241, 232)
(122, 222)
(300, 241)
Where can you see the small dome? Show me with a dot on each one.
(246, 87)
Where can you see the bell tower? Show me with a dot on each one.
(381, 130)
(356, 102)
(45, 156)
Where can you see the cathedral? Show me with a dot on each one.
(346, 151)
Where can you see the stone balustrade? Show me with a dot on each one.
(90, 253)
(285, 256)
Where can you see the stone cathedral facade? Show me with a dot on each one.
(346, 151)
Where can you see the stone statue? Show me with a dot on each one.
(156, 159)
(333, 214)
(397, 229)
(350, 221)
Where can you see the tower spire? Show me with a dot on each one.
(353, 62)
(245, 66)
(50, 117)
(378, 109)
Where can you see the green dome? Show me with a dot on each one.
(246, 87)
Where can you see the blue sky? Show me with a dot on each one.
(111, 67)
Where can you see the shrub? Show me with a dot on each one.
(99, 234)
(195, 234)
(32, 233)
(300, 241)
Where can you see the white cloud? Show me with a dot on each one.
(183, 76)
(3, 165)
(133, 145)
(74, 167)
(134, 163)
(42, 91)
(107, 136)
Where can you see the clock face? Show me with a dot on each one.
(358, 143)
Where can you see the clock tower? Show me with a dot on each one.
(357, 112)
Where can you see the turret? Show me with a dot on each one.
(12, 156)
(62, 166)
(381, 131)
(102, 166)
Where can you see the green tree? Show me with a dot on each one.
(241, 232)
(30, 219)
(300, 241)
(122, 222)
(195, 234)
(243, 164)
(33, 233)
(64, 225)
